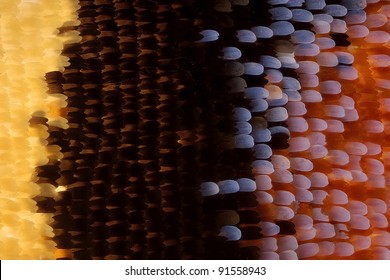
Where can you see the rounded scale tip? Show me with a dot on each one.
(325, 43)
(339, 214)
(301, 181)
(330, 87)
(311, 96)
(280, 13)
(231, 53)
(359, 222)
(261, 135)
(287, 242)
(375, 20)
(262, 151)
(378, 220)
(228, 186)
(307, 250)
(301, 15)
(209, 35)
(243, 128)
(302, 37)
(246, 185)
(252, 68)
(318, 151)
(318, 179)
(243, 141)
(282, 28)
(338, 197)
(334, 111)
(284, 213)
(273, 76)
(307, 50)
(303, 195)
(357, 31)
(335, 10)
(324, 230)
(373, 126)
(308, 67)
(296, 108)
(256, 92)
(284, 198)
(335, 126)
(262, 32)
(282, 176)
(269, 228)
(305, 234)
(301, 164)
(317, 124)
(209, 188)
(262, 167)
(360, 242)
(344, 249)
(263, 182)
(270, 62)
(353, 5)
(303, 221)
(231, 233)
(338, 26)
(246, 36)
(357, 207)
(280, 162)
(377, 37)
(268, 244)
(263, 197)
(374, 166)
(344, 57)
(327, 248)
(241, 114)
(321, 26)
(297, 124)
(315, 4)
(327, 59)
(338, 157)
(278, 114)
(299, 144)
(355, 17)
(376, 205)
(379, 60)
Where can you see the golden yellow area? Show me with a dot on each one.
(30, 46)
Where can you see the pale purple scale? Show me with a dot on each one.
(354, 4)
(282, 28)
(246, 185)
(263, 182)
(243, 128)
(320, 26)
(270, 62)
(344, 57)
(355, 17)
(209, 188)
(359, 222)
(295, 3)
(302, 37)
(228, 186)
(243, 141)
(231, 53)
(262, 197)
(293, 95)
(330, 87)
(256, 92)
(307, 250)
(335, 10)
(301, 164)
(262, 32)
(311, 96)
(308, 67)
(319, 196)
(246, 36)
(262, 167)
(307, 50)
(327, 59)
(335, 126)
(324, 230)
(338, 26)
(303, 195)
(325, 43)
(301, 15)
(315, 4)
(209, 35)
(231, 233)
(280, 13)
(273, 76)
(288, 255)
(258, 105)
(357, 31)
(269, 228)
(297, 124)
(253, 68)
(375, 20)
(262, 151)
